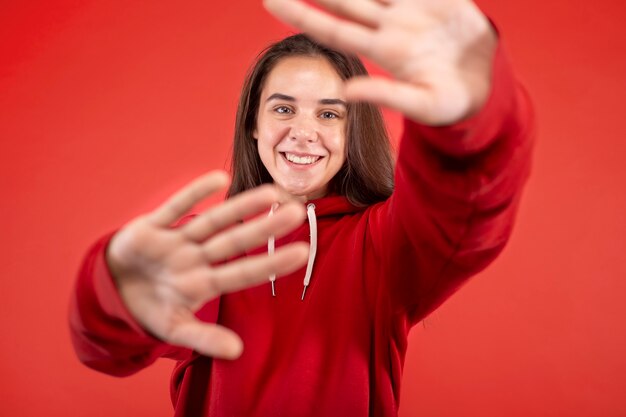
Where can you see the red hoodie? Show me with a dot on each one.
(378, 271)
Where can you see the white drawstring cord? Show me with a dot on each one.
(310, 212)
(270, 251)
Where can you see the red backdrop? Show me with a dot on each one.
(106, 107)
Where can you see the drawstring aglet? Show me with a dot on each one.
(303, 291)
(270, 248)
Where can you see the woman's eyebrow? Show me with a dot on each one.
(325, 101)
(333, 101)
(279, 96)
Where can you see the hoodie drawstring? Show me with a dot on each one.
(270, 251)
(310, 212)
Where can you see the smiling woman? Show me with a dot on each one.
(380, 259)
(297, 88)
(301, 126)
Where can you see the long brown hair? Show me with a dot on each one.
(366, 176)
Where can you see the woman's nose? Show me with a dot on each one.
(303, 131)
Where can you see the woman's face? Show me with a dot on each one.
(301, 125)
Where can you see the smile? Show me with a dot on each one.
(301, 160)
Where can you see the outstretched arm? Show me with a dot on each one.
(465, 153)
(137, 299)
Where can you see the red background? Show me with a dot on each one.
(107, 107)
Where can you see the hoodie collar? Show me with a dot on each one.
(334, 205)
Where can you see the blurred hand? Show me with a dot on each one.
(438, 51)
(165, 274)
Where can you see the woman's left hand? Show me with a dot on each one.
(438, 51)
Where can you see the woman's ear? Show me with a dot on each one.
(254, 134)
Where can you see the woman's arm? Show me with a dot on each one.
(457, 192)
(138, 290)
(466, 147)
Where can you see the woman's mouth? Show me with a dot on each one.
(301, 159)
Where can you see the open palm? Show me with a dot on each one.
(438, 52)
(164, 274)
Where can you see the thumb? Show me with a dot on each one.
(413, 101)
(207, 339)
(420, 103)
(406, 98)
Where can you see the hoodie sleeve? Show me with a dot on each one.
(104, 334)
(457, 189)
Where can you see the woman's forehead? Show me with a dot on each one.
(304, 77)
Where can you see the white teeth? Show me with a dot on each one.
(302, 160)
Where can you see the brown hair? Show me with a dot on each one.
(366, 176)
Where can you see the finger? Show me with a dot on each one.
(254, 233)
(230, 211)
(329, 30)
(206, 339)
(409, 99)
(181, 202)
(366, 12)
(254, 270)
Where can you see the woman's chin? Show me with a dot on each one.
(304, 193)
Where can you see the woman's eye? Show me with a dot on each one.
(328, 115)
(282, 110)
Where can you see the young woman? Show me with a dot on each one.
(328, 338)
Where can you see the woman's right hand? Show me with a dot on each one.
(165, 274)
